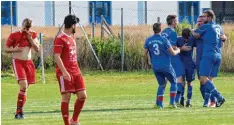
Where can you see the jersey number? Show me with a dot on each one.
(218, 33)
(156, 49)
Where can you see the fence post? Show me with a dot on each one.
(53, 12)
(158, 19)
(192, 16)
(11, 14)
(93, 20)
(42, 59)
(69, 7)
(145, 12)
(122, 42)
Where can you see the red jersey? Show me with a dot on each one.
(66, 46)
(20, 38)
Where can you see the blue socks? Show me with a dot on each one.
(202, 90)
(173, 91)
(189, 94)
(160, 94)
(179, 91)
(211, 89)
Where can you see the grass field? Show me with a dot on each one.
(116, 98)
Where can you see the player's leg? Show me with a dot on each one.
(180, 90)
(212, 98)
(161, 88)
(65, 107)
(190, 76)
(20, 74)
(65, 89)
(214, 73)
(171, 76)
(202, 87)
(79, 86)
(205, 71)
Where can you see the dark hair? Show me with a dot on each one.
(69, 20)
(157, 27)
(210, 13)
(28, 23)
(186, 33)
(170, 19)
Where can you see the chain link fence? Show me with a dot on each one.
(48, 18)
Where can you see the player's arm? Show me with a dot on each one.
(173, 51)
(146, 58)
(59, 63)
(196, 35)
(8, 46)
(223, 37)
(33, 41)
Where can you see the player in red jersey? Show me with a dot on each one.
(68, 72)
(20, 43)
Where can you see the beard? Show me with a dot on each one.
(74, 30)
(206, 21)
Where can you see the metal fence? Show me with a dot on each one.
(134, 23)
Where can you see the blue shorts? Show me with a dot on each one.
(161, 75)
(209, 66)
(178, 67)
(189, 75)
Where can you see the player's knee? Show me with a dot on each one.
(203, 80)
(23, 85)
(82, 95)
(179, 79)
(66, 97)
(190, 84)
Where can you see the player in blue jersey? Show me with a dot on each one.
(159, 50)
(212, 35)
(171, 35)
(188, 61)
(199, 51)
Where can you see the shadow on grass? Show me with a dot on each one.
(94, 110)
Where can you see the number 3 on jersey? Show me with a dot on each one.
(156, 49)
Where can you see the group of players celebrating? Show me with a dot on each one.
(171, 58)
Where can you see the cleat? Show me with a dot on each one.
(212, 104)
(158, 107)
(188, 105)
(172, 106)
(220, 102)
(19, 116)
(205, 105)
(74, 122)
(179, 105)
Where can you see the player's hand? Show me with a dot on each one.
(186, 48)
(18, 49)
(29, 36)
(66, 76)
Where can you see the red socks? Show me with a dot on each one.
(21, 101)
(77, 109)
(65, 112)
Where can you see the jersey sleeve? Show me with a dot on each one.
(11, 40)
(146, 45)
(173, 38)
(201, 30)
(179, 42)
(34, 35)
(58, 45)
(167, 43)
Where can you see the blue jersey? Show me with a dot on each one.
(199, 45)
(158, 49)
(211, 39)
(187, 56)
(171, 35)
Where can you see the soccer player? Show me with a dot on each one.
(159, 49)
(188, 61)
(171, 35)
(211, 58)
(68, 73)
(199, 51)
(20, 43)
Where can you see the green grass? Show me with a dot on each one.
(115, 98)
